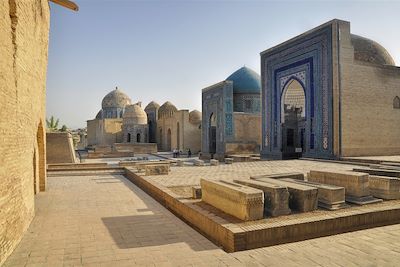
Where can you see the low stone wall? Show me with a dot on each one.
(138, 148)
(384, 187)
(60, 148)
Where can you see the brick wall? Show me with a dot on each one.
(24, 28)
(60, 148)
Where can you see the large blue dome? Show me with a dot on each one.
(245, 81)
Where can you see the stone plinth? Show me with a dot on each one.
(384, 187)
(180, 163)
(214, 162)
(355, 183)
(330, 197)
(156, 169)
(142, 165)
(228, 160)
(302, 197)
(242, 202)
(198, 162)
(380, 172)
(276, 197)
(292, 175)
(196, 192)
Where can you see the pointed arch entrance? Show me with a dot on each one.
(169, 140)
(212, 134)
(293, 119)
(41, 156)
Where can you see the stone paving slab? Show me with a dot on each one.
(104, 220)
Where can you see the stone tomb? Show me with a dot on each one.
(156, 169)
(198, 162)
(214, 162)
(302, 197)
(330, 197)
(180, 163)
(379, 172)
(384, 187)
(240, 201)
(142, 165)
(228, 160)
(355, 183)
(276, 197)
(293, 175)
(196, 192)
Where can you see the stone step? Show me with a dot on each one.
(240, 201)
(302, 197)
(293, 175)
(330, 197)
(276, 197)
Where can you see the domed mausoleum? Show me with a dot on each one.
(231, 115)
(134, 124)
(328, 93)
(122, 126)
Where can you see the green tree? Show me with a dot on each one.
(52, 124)
(64, 128)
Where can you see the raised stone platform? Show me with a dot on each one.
(231, 234)
(142, 165)
(330, 197)
(302, 197)
(355, 183)
(243, 202)
(276, 197)
(384, 187)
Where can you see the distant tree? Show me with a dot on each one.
(52, 124)
(64, 128)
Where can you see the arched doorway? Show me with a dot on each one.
(177, 136)
(212, 135)
(41, 156)
(169, 140)
(293, 119)
(151, 132)
(35, 175)
(128, 139)
(138, 138)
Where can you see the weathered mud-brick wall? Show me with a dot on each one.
(24, 29)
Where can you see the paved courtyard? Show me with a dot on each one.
(104, 220)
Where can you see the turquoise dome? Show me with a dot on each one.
(245, 81)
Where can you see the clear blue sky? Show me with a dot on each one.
(170, 50)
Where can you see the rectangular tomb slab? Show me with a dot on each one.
(302, 197)
(156, 169)
(214, 162)
(228, 160)
(380, 172)
(198, 162)
(355, 183)
(330, 197)
(142, 165)
(196, 192)
(384, 187)
(276, 197)
(293, 175)
(240, 201)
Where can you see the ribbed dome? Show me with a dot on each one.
(166, 110)
(99, 114)
(370, 51)
(195, 117)
(134, 114)
(152, 105)
(245, 81)
(115, 99)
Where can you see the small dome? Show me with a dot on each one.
(370, 51)
(99, 114)
(134, 114)
(115, 99)
(245, 81)
(152, 105)
(166, 110)
(195, 117)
